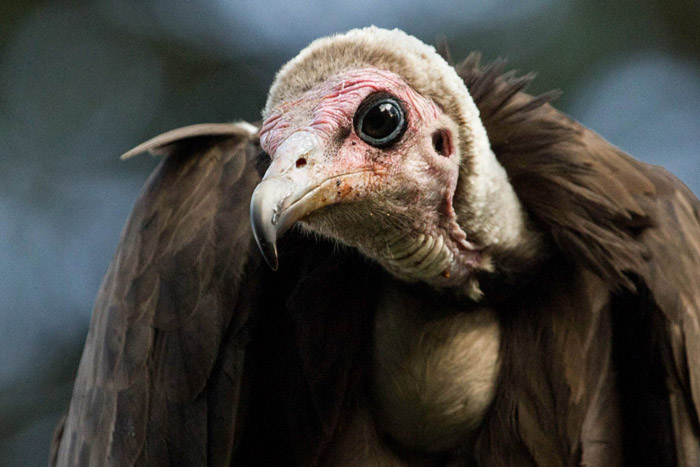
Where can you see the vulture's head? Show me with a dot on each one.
(375, 141)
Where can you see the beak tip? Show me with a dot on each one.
(271, 215)
(271, 258)
(266, 240)
(264, 231)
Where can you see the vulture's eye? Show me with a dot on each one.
(379, 120)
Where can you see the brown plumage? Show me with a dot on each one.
(199, 355)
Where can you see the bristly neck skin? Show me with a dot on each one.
(435, 213)
(449, 248)
(486, 222)
(490, 212)
(426, 215)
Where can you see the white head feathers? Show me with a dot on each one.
(485, 203)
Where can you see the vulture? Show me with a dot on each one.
(406, 263)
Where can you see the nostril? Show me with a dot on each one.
(442, 143)
(301, 162)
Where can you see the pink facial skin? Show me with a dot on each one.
(328, 110)
(411, 182)
(334, 104)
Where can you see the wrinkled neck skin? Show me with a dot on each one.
(422, 216)
(480, 219)
(483, 219)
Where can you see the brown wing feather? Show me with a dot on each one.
(579, 188)
(637, 228)
(162, 144)
(160, 376)
(311, 347)
(673, 277)
(556, 403)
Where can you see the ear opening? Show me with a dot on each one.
(442, 143)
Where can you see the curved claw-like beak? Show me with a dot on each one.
(275, 206)
(279, 200)
(298, 182)
(265, 206)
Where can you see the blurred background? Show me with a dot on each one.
(82, 82)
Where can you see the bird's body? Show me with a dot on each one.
(487, 282)
(435, 369)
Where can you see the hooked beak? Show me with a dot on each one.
(296, 184)
(270, 216)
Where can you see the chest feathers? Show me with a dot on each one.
(435, 369)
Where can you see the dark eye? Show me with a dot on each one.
(379, 120)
